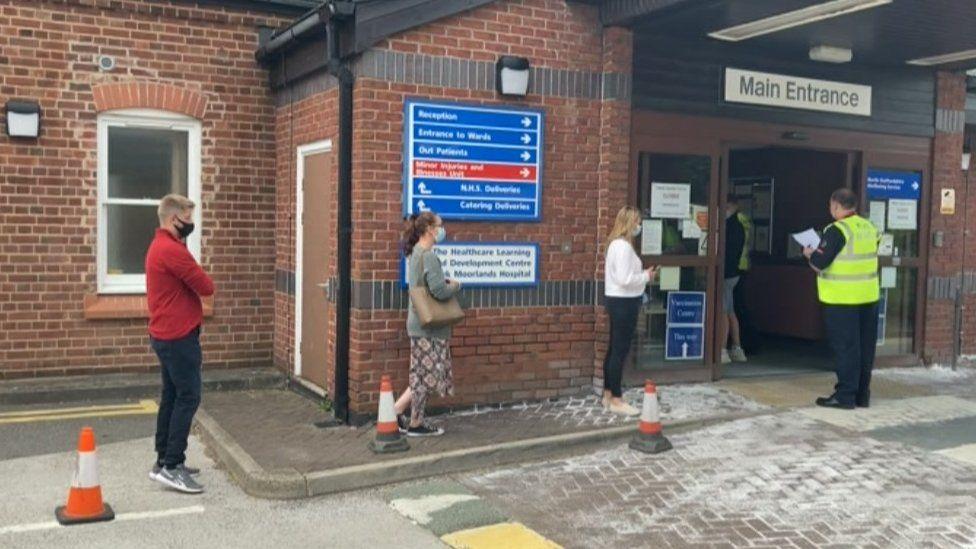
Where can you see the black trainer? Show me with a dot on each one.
(403, 422)
(424, 430)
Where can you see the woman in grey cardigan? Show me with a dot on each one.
(430, 353)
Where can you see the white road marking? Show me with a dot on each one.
(21, 528)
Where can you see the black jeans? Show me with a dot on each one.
(180, 360)
(623, 313)
(852, 331)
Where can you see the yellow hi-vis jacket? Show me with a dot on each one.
(852, 279)
(747, 245)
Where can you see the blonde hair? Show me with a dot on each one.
(627, 218)
(173, 204)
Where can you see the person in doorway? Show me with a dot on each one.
(430, 352)
(624, 281)
(175, 282)
(735, 241)
(747, 329)
(846, 263)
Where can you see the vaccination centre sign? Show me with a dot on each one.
(684, 337)
(487, 264)
(472, 163)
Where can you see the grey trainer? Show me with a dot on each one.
(178, 479)
(156, 468)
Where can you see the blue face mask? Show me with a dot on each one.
(440, 235)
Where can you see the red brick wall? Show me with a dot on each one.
(48, 186)
(500, 354)
(299, 123)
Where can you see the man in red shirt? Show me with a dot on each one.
(175, 282)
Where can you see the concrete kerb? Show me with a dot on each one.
(291, 484)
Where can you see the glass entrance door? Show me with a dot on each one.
(676, 192)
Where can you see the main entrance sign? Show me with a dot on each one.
(472, 163)
(793, 92)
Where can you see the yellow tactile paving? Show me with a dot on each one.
(505, 535)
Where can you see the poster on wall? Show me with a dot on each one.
(486, 264)
(472, 163)
(670, 200)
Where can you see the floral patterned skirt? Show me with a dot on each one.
(430, 367)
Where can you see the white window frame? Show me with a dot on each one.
(308, 149)
(153, 119)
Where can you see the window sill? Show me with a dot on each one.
(115, 307)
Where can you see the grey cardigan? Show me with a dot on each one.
(436, 283)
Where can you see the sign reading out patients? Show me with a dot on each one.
(472, 163)
(477, 264)
(793, 92)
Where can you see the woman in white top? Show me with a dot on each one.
(624, 281)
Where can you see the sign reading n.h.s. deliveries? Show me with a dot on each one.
(793, 92)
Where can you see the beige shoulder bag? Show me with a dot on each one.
(432, 312)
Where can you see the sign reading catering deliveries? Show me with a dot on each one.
(793, 92)
(472, 163)
(480, 264)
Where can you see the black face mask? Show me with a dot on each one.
(185, 230)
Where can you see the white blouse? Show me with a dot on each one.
(624, 275)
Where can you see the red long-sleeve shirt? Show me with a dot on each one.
(175, 282)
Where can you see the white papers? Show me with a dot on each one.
(877, 214)
(903, 214)
(697, 221)
(651, 233)
(889, 277)
(887, 245)
(807, 239)
(703, 243)
(670, 278)
(670, 200)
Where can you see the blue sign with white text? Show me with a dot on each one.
(893, 184)
(472, 163)
(684, 337)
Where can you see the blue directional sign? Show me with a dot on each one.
(684, 337)
(472, 163)
(894, 184)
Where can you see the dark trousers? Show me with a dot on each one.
(747, 326)
(180, 362)
(623, 313)
(852, 331)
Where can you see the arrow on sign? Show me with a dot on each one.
(423, 207)
(526, 122)
(524, 172)
(526, 139)
(915, 185)
(525, 156)
(684, 350)
(423, 188)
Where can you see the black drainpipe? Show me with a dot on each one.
(340, 69)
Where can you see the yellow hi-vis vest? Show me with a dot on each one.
(852, 279)
(747, 245)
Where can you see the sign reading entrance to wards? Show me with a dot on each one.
(793, 92)
(472, 163)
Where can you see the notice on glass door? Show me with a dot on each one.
(902, 214)
(651, 235)
(670, 200)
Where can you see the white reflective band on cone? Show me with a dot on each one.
(86, 471)
(649, 410)
(386, 413)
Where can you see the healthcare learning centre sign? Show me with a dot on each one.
(487, 264)
(473, 163)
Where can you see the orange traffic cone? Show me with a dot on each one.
(388, 437)
(649, 438)
(85, 496)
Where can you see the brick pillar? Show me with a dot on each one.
(614, 176)
(945, 263)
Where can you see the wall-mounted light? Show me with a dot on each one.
(966, 156)
(23, 119)
(512, 75)
(831, 54)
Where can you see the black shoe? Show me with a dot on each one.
(832, 402)
(863, 401)
(403, 423)
(425, 430)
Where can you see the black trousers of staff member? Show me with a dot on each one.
(852, 331)
(623, 313)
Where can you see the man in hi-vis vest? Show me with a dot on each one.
(847, 283)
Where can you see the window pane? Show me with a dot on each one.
(897, 311)
(130, 230)
(652, 323)
(146, 163)
(678, 236)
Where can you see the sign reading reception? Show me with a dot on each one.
(487, 264)
(793, 92)
(472, 163)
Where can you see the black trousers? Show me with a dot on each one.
(623, 312)
(180, 362)
(852, 331)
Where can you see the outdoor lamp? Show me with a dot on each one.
(512, 75)
(965, 158)
(23, 119)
